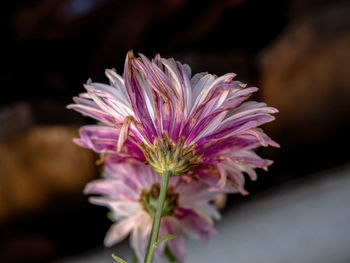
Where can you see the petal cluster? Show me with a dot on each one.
(121, 191)
(160, 98)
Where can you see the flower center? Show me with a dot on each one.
(164, 155)
(149, 200)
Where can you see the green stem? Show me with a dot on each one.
(156, 222)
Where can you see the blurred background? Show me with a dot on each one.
(297, 52)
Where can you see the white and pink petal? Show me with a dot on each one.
(120, 230)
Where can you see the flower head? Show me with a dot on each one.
(196, 126)
(131, 192)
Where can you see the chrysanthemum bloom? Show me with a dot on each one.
(197, 127)
(131, 192)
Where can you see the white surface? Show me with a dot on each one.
(307, 220)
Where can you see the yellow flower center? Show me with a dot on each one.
(149, 200)
(164, 155)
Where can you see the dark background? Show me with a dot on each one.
(297, 52)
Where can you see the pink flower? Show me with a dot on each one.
(196, 126)
(131, 191)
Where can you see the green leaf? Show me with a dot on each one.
(155, 244)
(166, 238)
(118, 259)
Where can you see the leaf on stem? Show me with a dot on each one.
(118, 259)
(166, 238)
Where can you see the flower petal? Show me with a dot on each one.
(140, 235)
(95, 113)
(194, 225)
(114, 189)
(134, 91)
(119, 231)
(120, 209)
(99, 138)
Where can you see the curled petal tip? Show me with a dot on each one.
(275, 144)
(87, 189)
(254, 178)
(158, 56)
(244, 192)
(70, 106)
(130, 54)
(76, 140)
(108, 243)
(142, 55)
